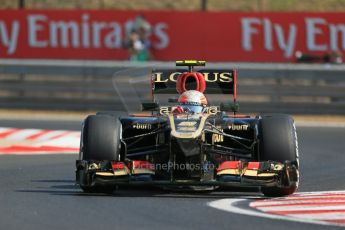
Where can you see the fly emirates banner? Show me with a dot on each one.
(213, 36)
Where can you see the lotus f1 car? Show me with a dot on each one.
(189, 144)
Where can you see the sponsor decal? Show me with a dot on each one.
(209, 77)
(187, 123)
(142, 126)
(99, 34)
(164, 110)
(216, 138)
(187, 126)
(187, 129)
(238, 127)
(211, 110)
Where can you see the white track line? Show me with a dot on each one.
(259, 204)
(229, 205)
(321, 216)
(314, 210)
(302, 207)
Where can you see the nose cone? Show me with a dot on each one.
(189, 147)
(187, 131)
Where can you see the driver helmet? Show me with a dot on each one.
(192, 100)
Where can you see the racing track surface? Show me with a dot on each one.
(38, 192)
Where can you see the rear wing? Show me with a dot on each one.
(218, 81)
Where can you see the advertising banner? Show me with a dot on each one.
(213, 36)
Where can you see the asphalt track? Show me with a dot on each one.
(38, 192)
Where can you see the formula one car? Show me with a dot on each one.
(189, 144)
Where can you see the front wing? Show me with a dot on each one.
(228, 174)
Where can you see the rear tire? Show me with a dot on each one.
(100, 141)
(278, 142)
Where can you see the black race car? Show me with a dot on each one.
(189, 144)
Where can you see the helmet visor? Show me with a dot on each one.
(193, 108)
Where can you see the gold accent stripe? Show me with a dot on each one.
(105, 174)
(123, 172)
(229, 172)
(254, 173)
(143, 171)
(189, 135)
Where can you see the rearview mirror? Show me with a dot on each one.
(149, 106)
(229, 107)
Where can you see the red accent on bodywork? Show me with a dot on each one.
(141, 115)
(142, 165)
(178, 110)
(229, 165)
(117, 165)
(253, 165)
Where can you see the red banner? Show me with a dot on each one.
(213, 36)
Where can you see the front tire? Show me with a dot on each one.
(101, 138)
(278, 142)
(100, 141)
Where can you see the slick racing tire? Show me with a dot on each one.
(101, 138)
(101, 141)
(278, 142)
(116, 114)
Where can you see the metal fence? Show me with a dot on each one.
(89, 85)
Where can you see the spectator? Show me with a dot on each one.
(137, 40)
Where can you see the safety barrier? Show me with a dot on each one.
(91, 85)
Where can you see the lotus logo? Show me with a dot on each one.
(209, 77)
